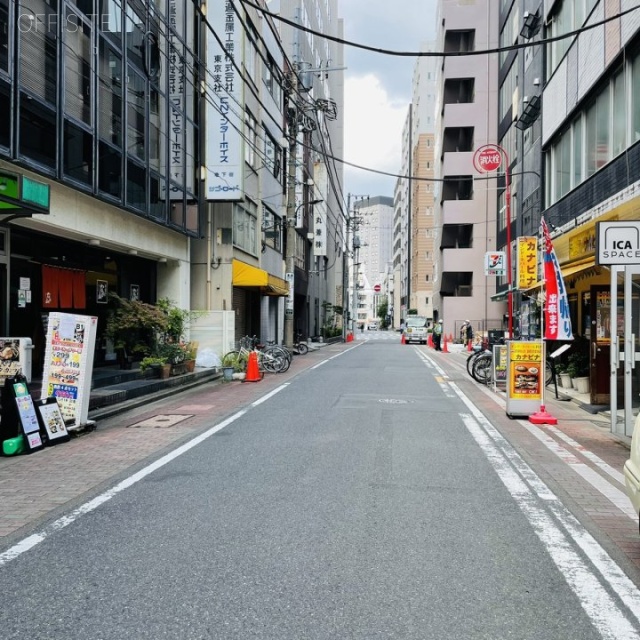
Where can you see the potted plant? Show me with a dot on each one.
(563, 375)
(133, 327)
(230, 364)
(191, 350)
(578, 369)
(152, 362)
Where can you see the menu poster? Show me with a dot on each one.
(526, 370)
(52, 421)
(10, 364)
(69, 364)
(27, 415)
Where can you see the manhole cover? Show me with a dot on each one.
(394, 401)
(160, 421)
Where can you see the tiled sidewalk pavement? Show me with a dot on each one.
(38, 487)
(579, 459)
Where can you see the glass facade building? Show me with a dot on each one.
(102, 95)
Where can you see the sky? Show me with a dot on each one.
(378, 86)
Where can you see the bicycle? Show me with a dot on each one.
(271, 359)
(480, 367)
(300, 348)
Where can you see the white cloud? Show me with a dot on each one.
(373, 125)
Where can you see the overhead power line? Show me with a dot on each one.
(439, 54)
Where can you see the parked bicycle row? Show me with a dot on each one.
(480, 367)
(271, 357)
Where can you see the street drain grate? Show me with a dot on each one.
(160, 421)
(394, 401)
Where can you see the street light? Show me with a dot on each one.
(290, 269)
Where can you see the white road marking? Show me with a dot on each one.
(617, 497)
(602, 610)
(31, 541)
(524, 485)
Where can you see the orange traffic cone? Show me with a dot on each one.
(444, 346)
(253, 371)
(430, 340)
(403, 339)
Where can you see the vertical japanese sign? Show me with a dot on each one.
(527, 265)
(557, 320)
(68, 364)
(176, 99)
(224, 106)
(320, 210)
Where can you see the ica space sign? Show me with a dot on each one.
(618, 242)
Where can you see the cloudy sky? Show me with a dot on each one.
(378, 87)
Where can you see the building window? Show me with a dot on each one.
(251, 126)
(273, 155)
(245, 224)
(136, 103)
(635, 99)
(77, 69)
(272, 229)
(110, 95)
(5, 36)
(78, 154)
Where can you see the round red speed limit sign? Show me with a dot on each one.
(487, 158)
(377, 288)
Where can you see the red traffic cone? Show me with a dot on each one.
(403, 339)
(444, 346)
(469, 347)
(430, 340)
(253, 370)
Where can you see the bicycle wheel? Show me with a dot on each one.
(301, 348)
(548, 373)
(278, 359)
(482, 371)
(471, 359)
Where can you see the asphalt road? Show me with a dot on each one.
(367, 498)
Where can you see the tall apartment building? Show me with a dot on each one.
(464, 206)
(413, 252)
(422, 199)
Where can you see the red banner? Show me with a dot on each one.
(557, 319)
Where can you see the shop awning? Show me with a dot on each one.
(569, 271)
(249, 277)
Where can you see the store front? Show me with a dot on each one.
(46, 273)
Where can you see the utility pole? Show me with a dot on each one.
(345, 273)
(292, 121)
